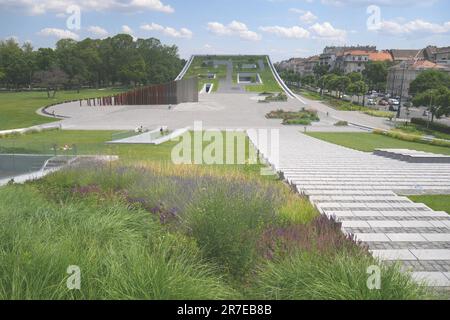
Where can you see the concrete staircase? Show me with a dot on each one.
(361, 190)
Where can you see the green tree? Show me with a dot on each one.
(45, 58)
(308, 80)
(14, 64)
(375, 74)
(436, 100)
(342, 83)
(320, 70)
(70, 61)
(429, 79)
(358, 88)
(355, 76)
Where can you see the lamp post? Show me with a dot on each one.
(401, 92)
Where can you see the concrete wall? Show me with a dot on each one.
(187, 90)
(175, 92)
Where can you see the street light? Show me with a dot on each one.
(401, 91)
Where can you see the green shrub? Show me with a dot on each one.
(437, 126)
(227, 223)
(412, 138)
(340, 276)
(121, 253)
(302, 117)
(380, 114)
(297, 121)
(341, 124)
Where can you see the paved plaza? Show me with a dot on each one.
(216, 111)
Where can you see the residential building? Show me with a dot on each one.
(438, 55)
(399, 55)
(352, 61)
(384, 55)
(401, 75)
(309, 64)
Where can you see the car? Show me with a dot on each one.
(394, 102)
(383, 102)
(393, 108)
(372, 102)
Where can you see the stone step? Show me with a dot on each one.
(412, 254)
(365, 229)
(396, 224)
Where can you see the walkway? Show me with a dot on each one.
(360, 190)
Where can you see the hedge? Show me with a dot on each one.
(432, 125)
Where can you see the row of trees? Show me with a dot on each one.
(431, 88)
(94, 63)
(372, 78)
(352, 84)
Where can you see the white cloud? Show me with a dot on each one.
(126, 29)
(287, 32)
(308, 17)
(235, 28)
(317, 31)
(414, 27)
(328, 32)
(168, 31)
(98, 31)
(58, 33)
(36, 7)
(397, 3)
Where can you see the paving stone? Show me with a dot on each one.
(431, 254)
(433, 279)
(371, 237)
(407, 237)
(416, 224)
(393, 255)
(437, 236)
(355, 224)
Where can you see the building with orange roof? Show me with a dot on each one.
(380, 56)
(401, 75)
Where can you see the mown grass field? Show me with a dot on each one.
(368, 142)
(435, 202)
(143, 228)
(18, 109)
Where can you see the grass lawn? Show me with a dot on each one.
(335, 103)
(199, 70)
(269, 83)
(368, 142)
(18, 109)
(422, 131)
(93, 143)
(435, 202)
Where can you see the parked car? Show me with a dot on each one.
(372, 102)
(383, 102)
(394, 102)
(393, 108)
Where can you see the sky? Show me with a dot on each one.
(279, 28)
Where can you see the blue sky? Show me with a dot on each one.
(280, 28)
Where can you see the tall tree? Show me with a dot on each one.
(375, 74)
(320, 70)
(436, 100)
(429, 79)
